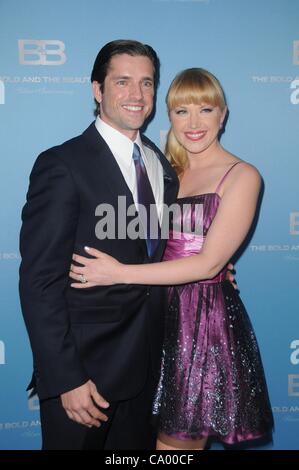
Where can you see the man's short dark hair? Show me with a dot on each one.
(122, 46)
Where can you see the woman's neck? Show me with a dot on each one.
(205, 158)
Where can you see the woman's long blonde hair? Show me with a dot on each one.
(191, 86)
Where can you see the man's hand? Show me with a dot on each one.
(230, 275)
(79, 405)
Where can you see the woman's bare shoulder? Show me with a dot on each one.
(245, 168)
(243, 175)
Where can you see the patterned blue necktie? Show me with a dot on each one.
(147, 200)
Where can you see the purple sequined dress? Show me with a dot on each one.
(212, 381)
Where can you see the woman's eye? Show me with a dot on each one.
(207, 110)
(180, 111)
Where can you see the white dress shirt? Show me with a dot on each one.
(122, 149)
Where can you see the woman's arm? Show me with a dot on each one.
(228, 230)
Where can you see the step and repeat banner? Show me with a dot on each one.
(47, 50)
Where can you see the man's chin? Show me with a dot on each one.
(135, 122)
(135, 126)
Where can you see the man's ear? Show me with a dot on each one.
(96, 88)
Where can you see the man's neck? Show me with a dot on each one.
(130, 134)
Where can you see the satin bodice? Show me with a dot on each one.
(182, 243)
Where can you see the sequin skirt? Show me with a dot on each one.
(212, 379)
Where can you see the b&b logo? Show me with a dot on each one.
(41, 52)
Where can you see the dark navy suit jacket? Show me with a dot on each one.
(112, 335)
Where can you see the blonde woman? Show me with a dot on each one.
(212, 381)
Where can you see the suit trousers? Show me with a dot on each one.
(129, 426)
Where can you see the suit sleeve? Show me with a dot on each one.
(46, 244)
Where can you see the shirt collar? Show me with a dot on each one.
(120, 145)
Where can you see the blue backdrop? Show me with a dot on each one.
(47, 51)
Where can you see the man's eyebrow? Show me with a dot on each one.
(121, 77)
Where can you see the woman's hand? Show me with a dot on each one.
(102, 270)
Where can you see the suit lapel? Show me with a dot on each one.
(103, 161)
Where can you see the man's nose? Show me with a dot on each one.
(136, 91)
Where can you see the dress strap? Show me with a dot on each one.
(225, 175)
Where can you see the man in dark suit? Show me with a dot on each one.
(96, 351)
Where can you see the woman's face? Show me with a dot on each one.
(196, 126)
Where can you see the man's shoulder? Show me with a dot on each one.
(69, 149)
(77, 141)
